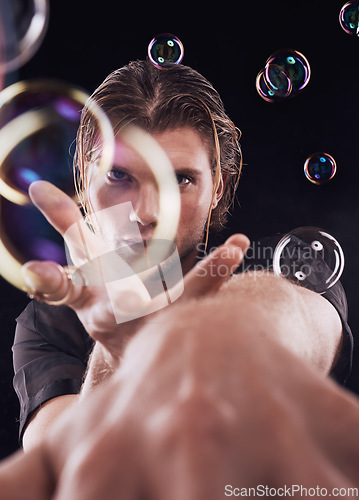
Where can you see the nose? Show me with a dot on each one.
(145, 209)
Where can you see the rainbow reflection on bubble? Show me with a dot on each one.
(349, 18)
(38, 128)
(309, 257)
(164, 50)
(275, 87)
(286, 74)
(320, 168)
(23, 25)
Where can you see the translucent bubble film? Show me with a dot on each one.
(286, 74)
(319, 168)
(349, 18)
(309, 257)
(164, 49)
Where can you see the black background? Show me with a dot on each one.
(229, 44)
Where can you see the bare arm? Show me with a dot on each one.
(211, 397)
(109, 345)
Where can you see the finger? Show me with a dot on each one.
(50, 281)
(58, 208)
(212, 271)
(65, 216)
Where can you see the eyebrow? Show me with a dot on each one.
(190, 171)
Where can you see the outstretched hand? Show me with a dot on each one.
(91, 303)
(205, 403)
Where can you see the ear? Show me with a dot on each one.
(219, 191)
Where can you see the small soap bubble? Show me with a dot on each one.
(349, 18)
(165, 49)
(285, 74)
(268, 91)
(294, 65)
(23, 25)
(277, 80)
(320, 168)
(309, 257)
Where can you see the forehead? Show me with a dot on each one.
(184, 147)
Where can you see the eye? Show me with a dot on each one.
(183, 180)
(116, 174)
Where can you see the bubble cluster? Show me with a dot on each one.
(23, 24)
(285, 74)
(309, 257)
(165, 49)
(319, 168)
(349, 18)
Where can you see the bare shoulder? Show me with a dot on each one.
(267, 287)
(301, 312)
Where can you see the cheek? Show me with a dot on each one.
(194, 210)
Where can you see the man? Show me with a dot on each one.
(205, 369)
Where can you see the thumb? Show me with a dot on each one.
(49, 282)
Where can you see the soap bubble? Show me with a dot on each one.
(38, 127)
(34, 242)
(294, 65)
(349, 18)
(276, 86)
(309, 257)
(285, 74)
(164, 49)
(23, 24)
(319, 168)
(28, 235)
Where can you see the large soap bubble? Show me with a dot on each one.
(23, 25)
(38, 126)
(309, 257)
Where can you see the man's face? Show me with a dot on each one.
(131, 180)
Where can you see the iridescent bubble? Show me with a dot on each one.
(38, 127)
(23, 24)
(27, 235)
(274, 87)
(309, 257)
(285, 74)
(349, 18)
(319, 168)
(294, 65)
(165, 49)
